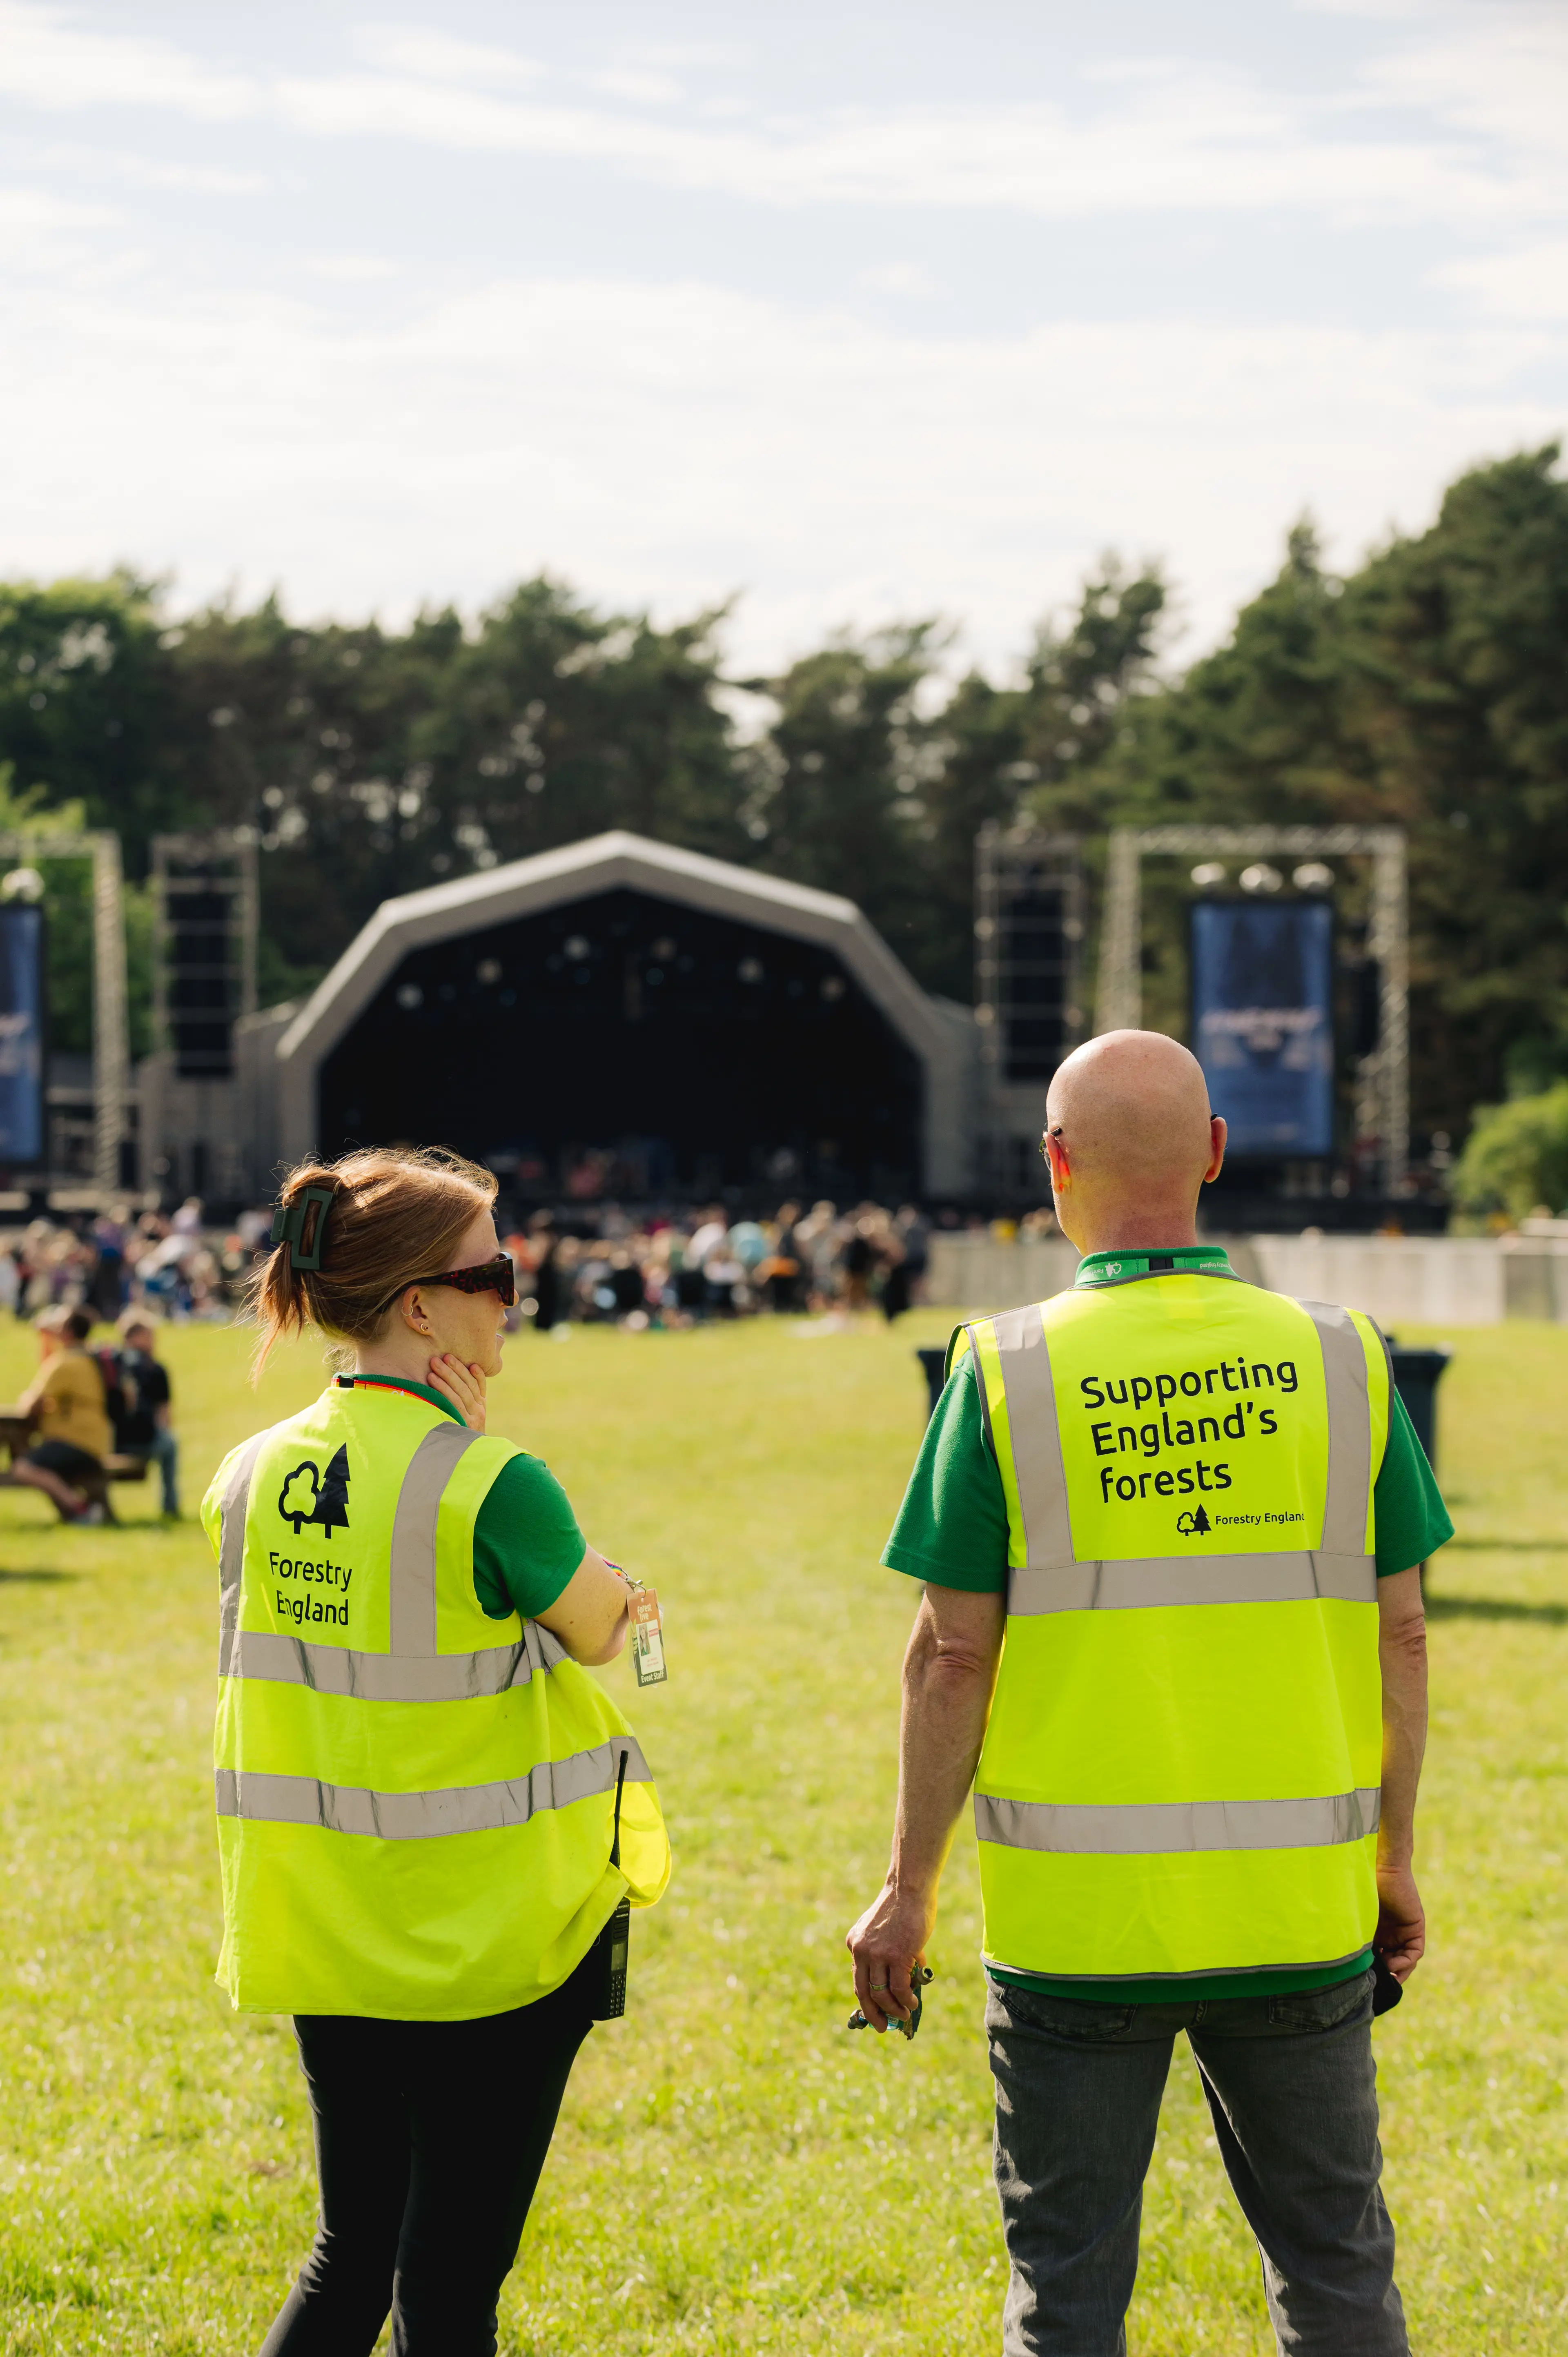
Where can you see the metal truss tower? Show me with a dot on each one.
(1382, 1097)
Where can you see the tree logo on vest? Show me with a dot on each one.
(1195, 1525)
(310, 1496)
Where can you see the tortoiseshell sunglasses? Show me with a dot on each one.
(496, 1276)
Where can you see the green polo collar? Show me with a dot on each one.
(1118, 1268)
(399, 1384)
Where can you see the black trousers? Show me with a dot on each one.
(430, 2136)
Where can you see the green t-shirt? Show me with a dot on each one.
(526, 1540)
(951, 1532)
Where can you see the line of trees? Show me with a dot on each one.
(1428, 688)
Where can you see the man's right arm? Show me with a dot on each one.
(1401, 1936)
(950, 1671)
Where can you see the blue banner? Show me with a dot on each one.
(21, 1033)
(1263, 1017)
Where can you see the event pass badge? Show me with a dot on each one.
(647, 1636)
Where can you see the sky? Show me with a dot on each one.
(853, 311)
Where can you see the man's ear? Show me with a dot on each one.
(1060, 1167)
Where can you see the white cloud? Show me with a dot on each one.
(1164, 136)
(1501, 71)
(674, 443)
(1528, 285)
(439, 57)
(191, 176)
(46, 61)
(900, 278)
(24, 209)
(642, 88)
(43, 235)
(1195, 143)
(351, 267)
(1389, 11)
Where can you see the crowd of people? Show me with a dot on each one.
(680, 1268)
(97, 1408)
(671, 1267)
(171, 1266)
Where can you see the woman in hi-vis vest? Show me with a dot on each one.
(428, 1812)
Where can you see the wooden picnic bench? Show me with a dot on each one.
(17, 1431)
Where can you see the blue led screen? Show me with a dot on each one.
(21, 1034)
(1263, 981)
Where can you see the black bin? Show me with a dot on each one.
(1417, 1375)
(932, 1363)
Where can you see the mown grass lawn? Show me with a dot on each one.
(734, 2171)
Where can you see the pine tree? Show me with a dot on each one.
(332, 1506)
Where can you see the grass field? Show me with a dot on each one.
(734, 2171)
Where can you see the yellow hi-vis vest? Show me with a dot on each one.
(414, 1801)
(1181, 1769)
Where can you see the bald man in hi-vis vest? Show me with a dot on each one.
(1170, 1529)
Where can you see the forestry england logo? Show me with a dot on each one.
(1195, 1525)
(309, 1496)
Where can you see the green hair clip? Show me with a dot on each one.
(302, 1225)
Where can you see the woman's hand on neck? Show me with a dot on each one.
(461, 1386)
(460, 1383)
(440, 1338)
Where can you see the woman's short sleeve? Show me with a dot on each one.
(526, 1541)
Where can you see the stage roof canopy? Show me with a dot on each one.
(932, 1036)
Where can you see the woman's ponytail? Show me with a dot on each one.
(278, 1297)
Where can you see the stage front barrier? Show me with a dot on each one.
(1399, 1280)
(971, 1270)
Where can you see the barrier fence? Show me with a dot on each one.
(1414, 1280)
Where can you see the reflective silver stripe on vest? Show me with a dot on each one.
(391, 1677)
(1122, 1587)
(1053, 1580)
(411, 1587)
(1035, 1434)
(1349, 1429)
(231, 1550)
(425, 1816)
(1158, 1828)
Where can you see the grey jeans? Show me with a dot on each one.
(1293, 2091)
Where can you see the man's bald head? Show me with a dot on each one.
(1129, 1118)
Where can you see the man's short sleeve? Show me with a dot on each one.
(952, 1525)
(526, 1541)
(1409, 1516)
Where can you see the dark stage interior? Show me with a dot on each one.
(629, 1045)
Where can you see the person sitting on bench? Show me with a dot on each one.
(67, 1402)
(148, 1431)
